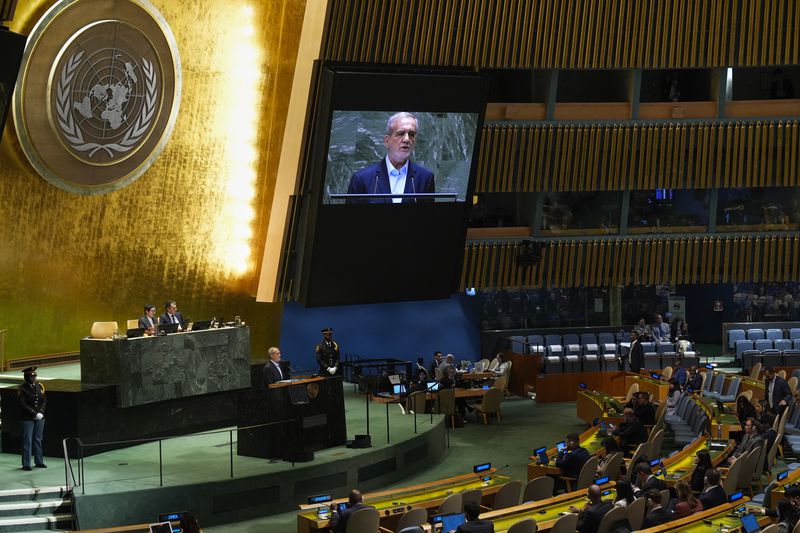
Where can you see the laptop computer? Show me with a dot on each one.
(450, 522)
(399, 389)
(166, 329)
(432, 386)
(135, 332)
(750, 523)
(201, 325)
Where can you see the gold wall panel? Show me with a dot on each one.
(565, 33)
(625, 261)
(680, 155)
(189, 229)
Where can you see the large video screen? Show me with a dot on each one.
(394, 157)
(388, 169)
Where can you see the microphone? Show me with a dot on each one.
(375, 189)
(496, 470)
(413, 188)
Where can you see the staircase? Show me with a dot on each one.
(36, 509)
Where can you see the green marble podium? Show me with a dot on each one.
(167, 367)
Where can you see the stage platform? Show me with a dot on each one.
(200, 473)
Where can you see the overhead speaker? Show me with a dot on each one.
(12, 46)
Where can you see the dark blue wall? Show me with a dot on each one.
(403, 330)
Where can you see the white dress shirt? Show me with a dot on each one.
(397, 179)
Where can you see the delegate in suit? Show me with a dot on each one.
(172, 315)
(148, 321)
(273, 372)
(396, 173)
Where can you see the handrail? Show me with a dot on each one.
(69, 474)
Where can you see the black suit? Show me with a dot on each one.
(646, 414)
(589, 520)
(636, 356)
(656, 517)
(374, 179)
(714, 497)
(654, 483)
(272, 375)
(571, 463)
(781, 392)
(339, 520)
(631, 434)
(165, 319)
(698, 479)
(476, 526)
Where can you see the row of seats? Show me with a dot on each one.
(688, 421)
(761, 345)
(755, 334)
(715, 389)
(772, 358)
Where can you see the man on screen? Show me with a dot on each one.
(396, 173)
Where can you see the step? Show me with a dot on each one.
(36, 508)
(32, 494)
(31, 523)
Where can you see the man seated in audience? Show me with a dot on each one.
(713, 494)
(645, 480)
(355, 502)
(592, 513)
(660, 330)
(643, 331)
(695, 381)
(474, 524)
(751, 440)
(633, 402)
(644, 409)
(679, 374)
(571, 459)
(655, 515)
(631, 432)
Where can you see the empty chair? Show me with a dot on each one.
(649, 347)
(666, 374)
(733, 336)
(612, 465)
(133, 323)
(536, 343)
(782, 344)
(472, 495)
(608, 338)
(445, 404)
(665, 347)
(755, 371)
(588, 338)
(609, 355)
(631, 390)
(507, 496)
(755, 334)
(519, 344)
(414, 517)
(636, 513)
(616, 514)
(104, 330)
(763, 344)
(773, 334)
(741, 346)
(417, 402)
(731, 481)
(450, 505)
(792, 382)
(570, 338)
(794, 333)
(655, 443)
(528, 525)
(490, 404)
(552, 340)
(591, 358)
(566, 524)
(732, 391)
(716, 388)
(363, 521)
(539, 488)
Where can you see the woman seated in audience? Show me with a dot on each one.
(673, 396)
(744, 410)
(611, 447)
(703, 463)
(624, 494)
(686, 504)
(763, 416)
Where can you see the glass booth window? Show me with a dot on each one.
(668, 210)
(581, 213)
(759, 209)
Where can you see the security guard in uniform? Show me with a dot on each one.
(328, 354)
(33, 401)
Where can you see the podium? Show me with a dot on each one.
(291, 419)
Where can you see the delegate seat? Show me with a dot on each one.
(763, 344)
(755, 334)
(782, 344)
(774, 334)
(608, 338)
(741, 346)
(716, 388)
(794, 334)
(735, 335)
(536, 343)
(609, 355)
(791, 357)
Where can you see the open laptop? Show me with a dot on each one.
(135, 332)
(201, 325)
(166, 329)
(750, 523)
(450, 522)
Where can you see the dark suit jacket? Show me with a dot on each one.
(781, 392)
(271, 374)
(589, 520)
(571, 463)
(164, 319)
(698, 479)
(654, 483)
(636, 356)
(713, 497)
(631, 434)
(374, 179)
(646, 414)
(476, 526)
(339, 520)
(694, 383)
(144, 323)
(657, 517)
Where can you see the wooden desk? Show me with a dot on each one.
(722, 424)
(391, 504)
(681, 465)
(476, 376)
(545, 512)
(717, 516)
(588, 440)
(292, 382)
(748, 383)
(657, 388)
(593, 405)
(777, 493)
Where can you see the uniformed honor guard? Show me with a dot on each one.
(328, 354)
(33, 401)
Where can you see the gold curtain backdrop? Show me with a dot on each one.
(612, 157)
(192, 227)
(566, 33)
(602, 263)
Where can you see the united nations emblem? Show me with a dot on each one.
(108, 76)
